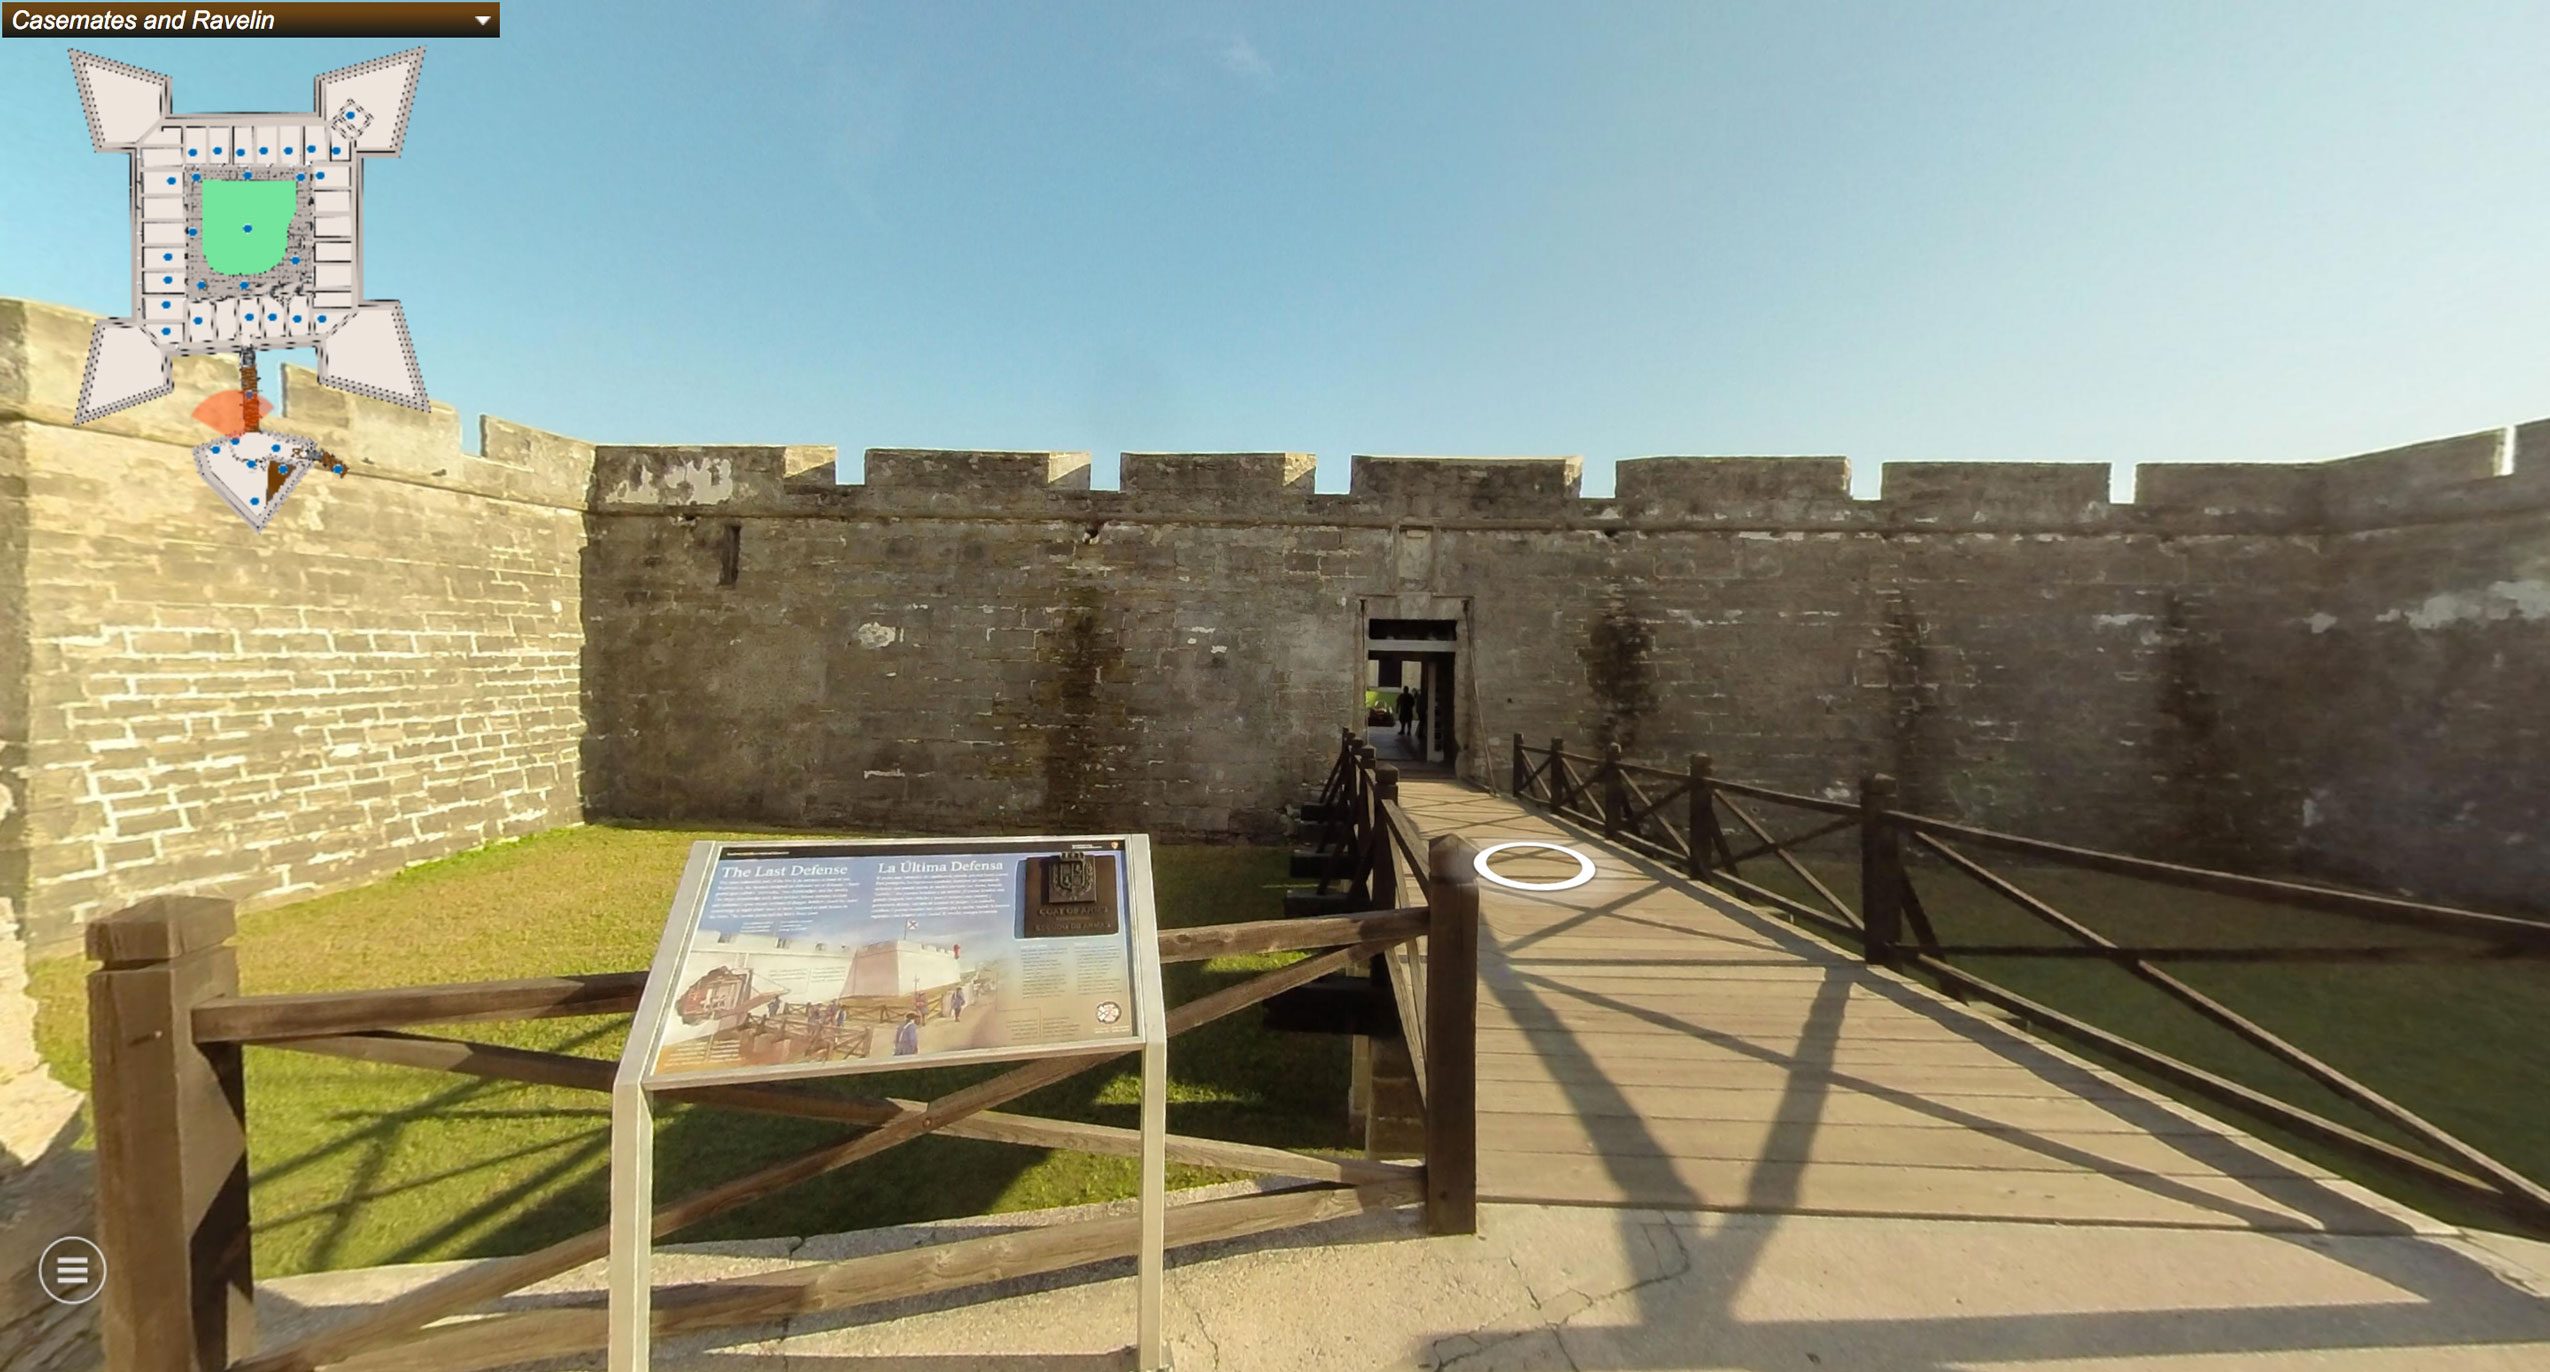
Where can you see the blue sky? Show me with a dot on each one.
(2106, 232)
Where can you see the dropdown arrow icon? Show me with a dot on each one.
(482, 20)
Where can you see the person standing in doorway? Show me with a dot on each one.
(1407, 709)
(1415, 701)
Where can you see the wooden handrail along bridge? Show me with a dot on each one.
(1662, 1035)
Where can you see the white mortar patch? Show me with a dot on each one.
(2322, 622)
(875, 635)
(2528, 599)
(700, 481)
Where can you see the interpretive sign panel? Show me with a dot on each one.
(827, 957)
(808, 958)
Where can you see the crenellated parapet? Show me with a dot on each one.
(1215, 485)
(1950, 496)
(1736, 490)
(1465, 488)
(42, 348)
(2452, 478)
(640, 477)
(2476, 475)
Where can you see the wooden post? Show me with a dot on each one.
(1557, 773)
(1881, 869)
(1615, 790)
(1367, 820)
(1522, 772)
(1698, 810)
(172, 1143)
(1451, 1034)
(1385, 853)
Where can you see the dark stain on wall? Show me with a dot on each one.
(1619, 669)
(1084, 728)
(1912, 681)
(2199, 781)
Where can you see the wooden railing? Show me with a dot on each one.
(1891, 925)
(1377, 856)
(168, 1027)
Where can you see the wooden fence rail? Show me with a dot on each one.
(1891, 925)
(168, 1027)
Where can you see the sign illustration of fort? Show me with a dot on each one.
(901, 967)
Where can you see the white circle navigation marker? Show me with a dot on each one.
(1584, 866)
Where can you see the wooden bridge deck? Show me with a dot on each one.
(1643, 1042)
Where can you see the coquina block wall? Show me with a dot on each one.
(390, 672)
(2327, 668)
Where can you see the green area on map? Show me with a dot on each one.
(244, 223)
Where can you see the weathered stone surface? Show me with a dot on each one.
(391, 673)
(2326, 667)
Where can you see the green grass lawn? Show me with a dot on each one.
(355, 1163)
(2457, 1043)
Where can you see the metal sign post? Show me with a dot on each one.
(791, 960)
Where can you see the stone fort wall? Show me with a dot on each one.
(390, 672)
(2321, 668)
(2328, 668)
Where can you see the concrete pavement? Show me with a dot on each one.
(1582, 1289)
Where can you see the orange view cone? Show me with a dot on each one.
(227, 412)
